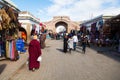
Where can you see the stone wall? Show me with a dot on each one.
(50, 25)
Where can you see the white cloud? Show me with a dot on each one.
(82, 9)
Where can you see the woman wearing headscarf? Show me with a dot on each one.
(34, 53)
(65, 44)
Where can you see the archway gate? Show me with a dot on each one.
(64, 21)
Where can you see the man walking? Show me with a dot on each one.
(75, 41)
(84, 41)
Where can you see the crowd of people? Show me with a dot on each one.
(72, 40)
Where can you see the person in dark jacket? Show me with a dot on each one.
(65, 44)
(84, 42)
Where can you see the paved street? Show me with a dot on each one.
(57, 65)
(83, 21)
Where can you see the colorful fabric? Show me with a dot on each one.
(0, 51)
(12, 52)
(20, 45)
(7, 49)
(10, 47)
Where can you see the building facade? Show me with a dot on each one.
(97, 29)
(63, 21)
(28, 22)
(98, 21)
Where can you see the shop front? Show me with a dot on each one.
(9, 27)
(114, 26)
(98, 30)
(29, 25)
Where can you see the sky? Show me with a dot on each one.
(77, 10)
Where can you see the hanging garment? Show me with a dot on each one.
(5, 18)
(20, 45)
(10, 47)
(3, 49)
(0, 50)
(10, 12)
(13, 50)
(0, 26)
(7, 49)
(16, 52)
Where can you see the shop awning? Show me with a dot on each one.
(115, 19)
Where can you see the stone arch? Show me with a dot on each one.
(71, 25)
(57, 24)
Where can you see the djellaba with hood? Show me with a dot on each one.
(34, 52)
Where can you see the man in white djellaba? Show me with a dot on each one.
(70, 43)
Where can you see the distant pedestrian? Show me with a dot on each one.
(34, 52)
(65, 44)
(84, 42)
(42, 40)
(70, 43)
(75, 41)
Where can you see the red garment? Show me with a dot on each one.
(34, 53)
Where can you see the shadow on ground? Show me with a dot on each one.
(107, 51)
(61, 50)
(78, 50)
(2, 67)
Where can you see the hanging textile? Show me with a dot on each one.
(13, 50)
(10, 49)
(5, 18)
(93, 28)
(16, 55)
(24, 36)
(7, 49)
(10, 12)
(0, 50)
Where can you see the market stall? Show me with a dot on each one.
(9, 27)
(114, 26)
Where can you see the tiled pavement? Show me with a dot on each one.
(57, 65)
(8, 68)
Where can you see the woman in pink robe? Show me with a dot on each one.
(34, 53)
